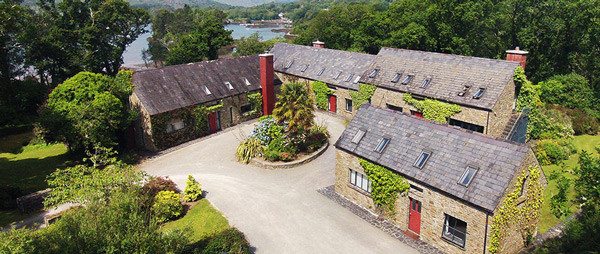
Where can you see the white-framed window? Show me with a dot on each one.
(468, 176)
(422, 159)
(455, 230)
(175, 125)
(360, 181)
(382, 144)
(358, 137)
(348, 105)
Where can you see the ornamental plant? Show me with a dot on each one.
(192, 191)
(166, 206)
(321, 92)
(385, 187)
(433, 109)
(363, 95)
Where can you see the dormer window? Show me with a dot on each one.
(338, 75)
(349, 77)
(373, 73)
(407, 79)
(304, 68)
(479, 93)
(382, 144)
(206, 91)
(358, 137)
(356, 79)
(425, 83)
(464, 91)
(396, 78)
(229, 85)
(468, 176)
(247, 82)
(289, 64)
(422, 159)
(321, 72)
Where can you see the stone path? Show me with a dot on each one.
(384, 225)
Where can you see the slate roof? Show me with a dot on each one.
(173, 87)
(453, 149)
(332, 60)
(449, 74)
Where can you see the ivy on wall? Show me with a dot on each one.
(195, 119)
(256, 100)
(363, 95)
(321, 94)
(525, 216)
(433, 109)
(385, 186)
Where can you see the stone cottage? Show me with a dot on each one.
(484, 88)
(182, 102)
(458, 178)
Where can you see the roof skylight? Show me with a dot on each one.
(247, 82)
(420, 162)
(467, 176)
(321, 72)
(425, 83)
(356, 79)
(206, 91)
(338, 75)
(373, 73)
(407, 79)
(304, 68)
(479, 93)
(229, 85)
(464, 91)
(358, 137)
(289, 64)
(349, 77)
(396, 78)
(382, 144)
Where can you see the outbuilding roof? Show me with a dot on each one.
(451, 151)
(326, 65)
(173, 87)
(448, 76)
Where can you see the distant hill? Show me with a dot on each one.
(194, 3)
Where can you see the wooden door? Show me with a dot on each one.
(414, 216)
(417, 114)
(212, 122)
(332, 103)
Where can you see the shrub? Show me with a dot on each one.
(584, 122)
(249, 149)
(271, 155)
(571, 90)
(597, 147)
(267, 130)
(192, 190)
(158, 184)
(551, 152)
(546, 122)
(228, 241)
(167, 205)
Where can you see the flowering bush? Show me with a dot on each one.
(267, 129)
(166, 206)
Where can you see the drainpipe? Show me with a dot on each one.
(487, 123)
(487, 215)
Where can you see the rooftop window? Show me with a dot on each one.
(229, 85)
(420, 162)
(247, 82)
(396, 78)
(467, 176)
(373, 73)
(289, 64)
(349, 77)
(304, 68)
(358, 136)
(382, 144)
(464, 91)
(321, 72)
(338, 75)
(206, 91)
(407, 79)
(356, 79)
(425, 83)
(479, 93)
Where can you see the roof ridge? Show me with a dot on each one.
(449, 55)
(325, 49)
(197, 63)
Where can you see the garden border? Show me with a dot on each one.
(292, 164)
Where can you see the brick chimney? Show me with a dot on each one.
(267, 83)
(318, 44)
(517, 55)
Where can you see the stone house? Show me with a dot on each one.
(167, 99)
(458, 178)
(484, 88)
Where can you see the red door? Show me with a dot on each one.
(332, 103)
(417, 114)
(212, 122)
(414, 216)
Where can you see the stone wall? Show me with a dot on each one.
(142, 127)
(435, 206)
(502, 111)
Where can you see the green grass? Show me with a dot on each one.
(202, 219)
(584, 142)
(26, 166)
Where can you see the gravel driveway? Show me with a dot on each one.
(280, 211)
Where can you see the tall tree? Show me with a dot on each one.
(295, 107)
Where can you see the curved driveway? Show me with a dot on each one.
(280, 211)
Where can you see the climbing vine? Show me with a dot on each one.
(385, 186)
(525, 217)
(363, 95)
(433, 109)
(255, 100)
(321, 91)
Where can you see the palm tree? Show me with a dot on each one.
(295, 107)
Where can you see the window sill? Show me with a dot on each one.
(359, 190)
(453, 243)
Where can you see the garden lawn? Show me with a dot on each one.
(26, 166)
(202, 219)
(584, 142)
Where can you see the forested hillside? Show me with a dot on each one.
(175, 4)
